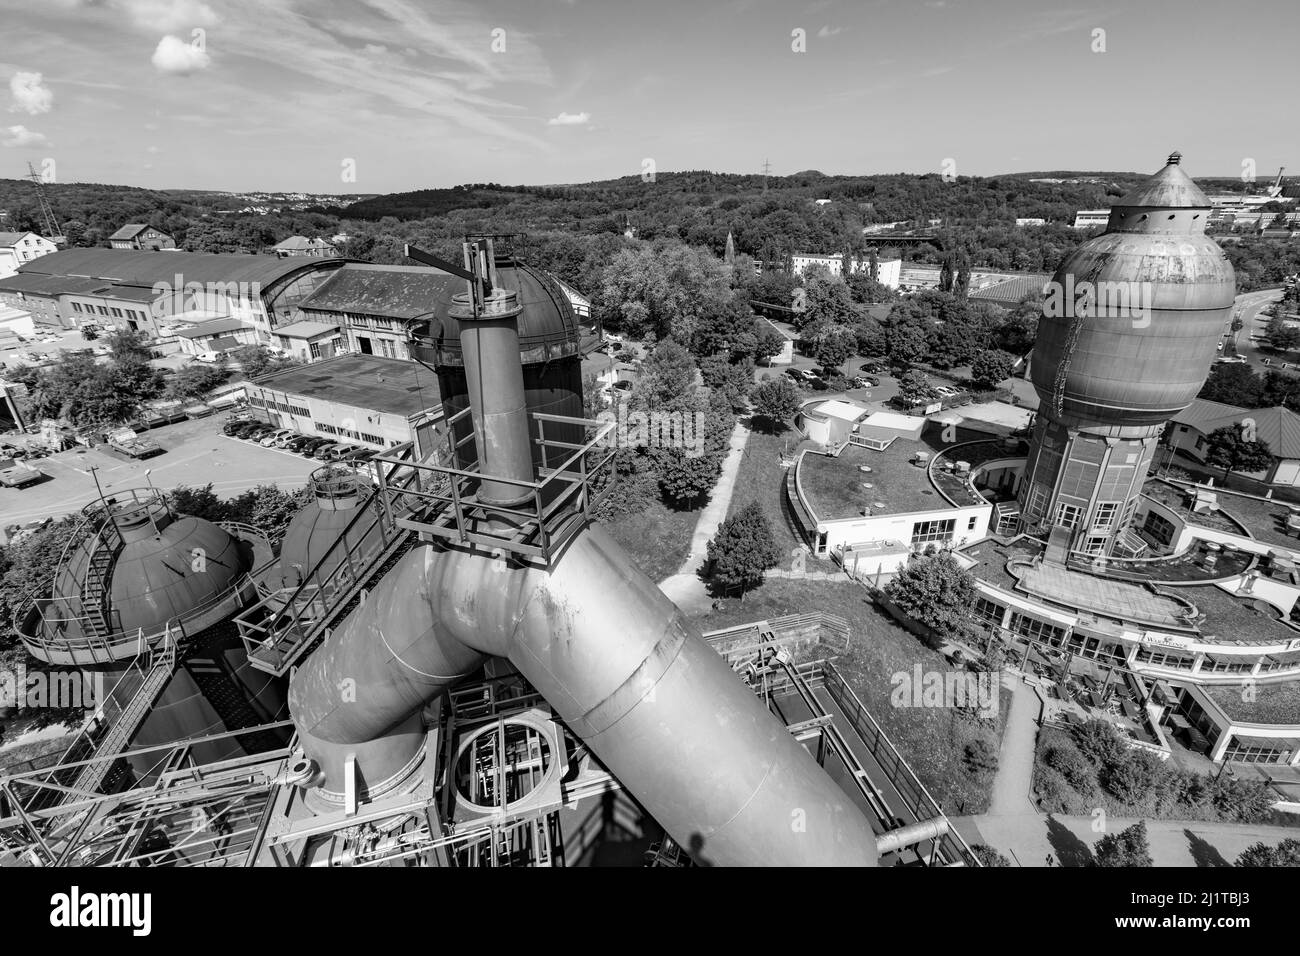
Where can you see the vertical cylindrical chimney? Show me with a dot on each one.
(489, 336)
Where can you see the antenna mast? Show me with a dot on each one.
(53, 231)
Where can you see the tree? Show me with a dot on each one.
(742, 550)
(946, 275)
(827, 299)
(256, 361)
(195, 381)
(961, 284)
(1129, 847)
(1280, 336)
(991, 367)
(989, 856)
(1286, 853)
(1233, 384)
(1229, 449)
(835, 348)
(685, 478)
(667, 380)
(775, 402)
(127, 343)
(936, 592)
(914, 388)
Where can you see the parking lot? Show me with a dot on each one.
(195, 454)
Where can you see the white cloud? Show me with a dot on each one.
(825, 32)
(20, 136)
(30, 94)
(569, 119)
(176, 56)
(168, 16)
(374, 49)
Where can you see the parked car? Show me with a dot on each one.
(309, 447)
(260, 432)
(296, 443)
(865, 381)
(270, 439)
(946, 392)
(340, 452)
(323, 452)
(359, 453)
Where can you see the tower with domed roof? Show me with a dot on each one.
(1128, 334)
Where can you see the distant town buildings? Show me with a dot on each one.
(887, 270)
(137, 235)
(1021, 223)
(302, 246)
(1091, 218)
(17, 248)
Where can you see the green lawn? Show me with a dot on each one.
(658, 538)
(761, 478)
(932, 740)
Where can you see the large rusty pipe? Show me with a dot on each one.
(495, 376)
(621, 666)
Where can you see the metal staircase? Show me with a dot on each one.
(283, 626)
(95, 589)
(128, 721)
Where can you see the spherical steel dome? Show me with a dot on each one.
(166, 567)
(548, 326)
(1160, 295)
(337, 493)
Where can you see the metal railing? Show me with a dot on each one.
(284, 623)
(560, 500)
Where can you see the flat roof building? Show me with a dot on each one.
(367, 399)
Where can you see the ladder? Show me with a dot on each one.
(95, 589)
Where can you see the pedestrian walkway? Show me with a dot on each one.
(685, 588)
(1014, 780)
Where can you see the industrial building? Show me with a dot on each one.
(139, 290)
(373, 401)
(479, 675)
(887, 270)
(138, 235)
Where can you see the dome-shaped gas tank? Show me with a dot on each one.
(166, 566)
(337, 492)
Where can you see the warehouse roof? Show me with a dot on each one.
(212, 327)
(39, 284)
(400, 292)
(138, 268)
(393, 386)
(306, 330)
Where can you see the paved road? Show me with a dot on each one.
(1014, 779)
(196, 454)
(1250, 306)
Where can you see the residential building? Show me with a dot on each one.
(18, 248)
(302, 246)
(138, 235)
(1022, 222)
(887, 270)
(1278, 427)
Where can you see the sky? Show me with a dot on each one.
(370, 96)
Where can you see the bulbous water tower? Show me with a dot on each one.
(1129, 330)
